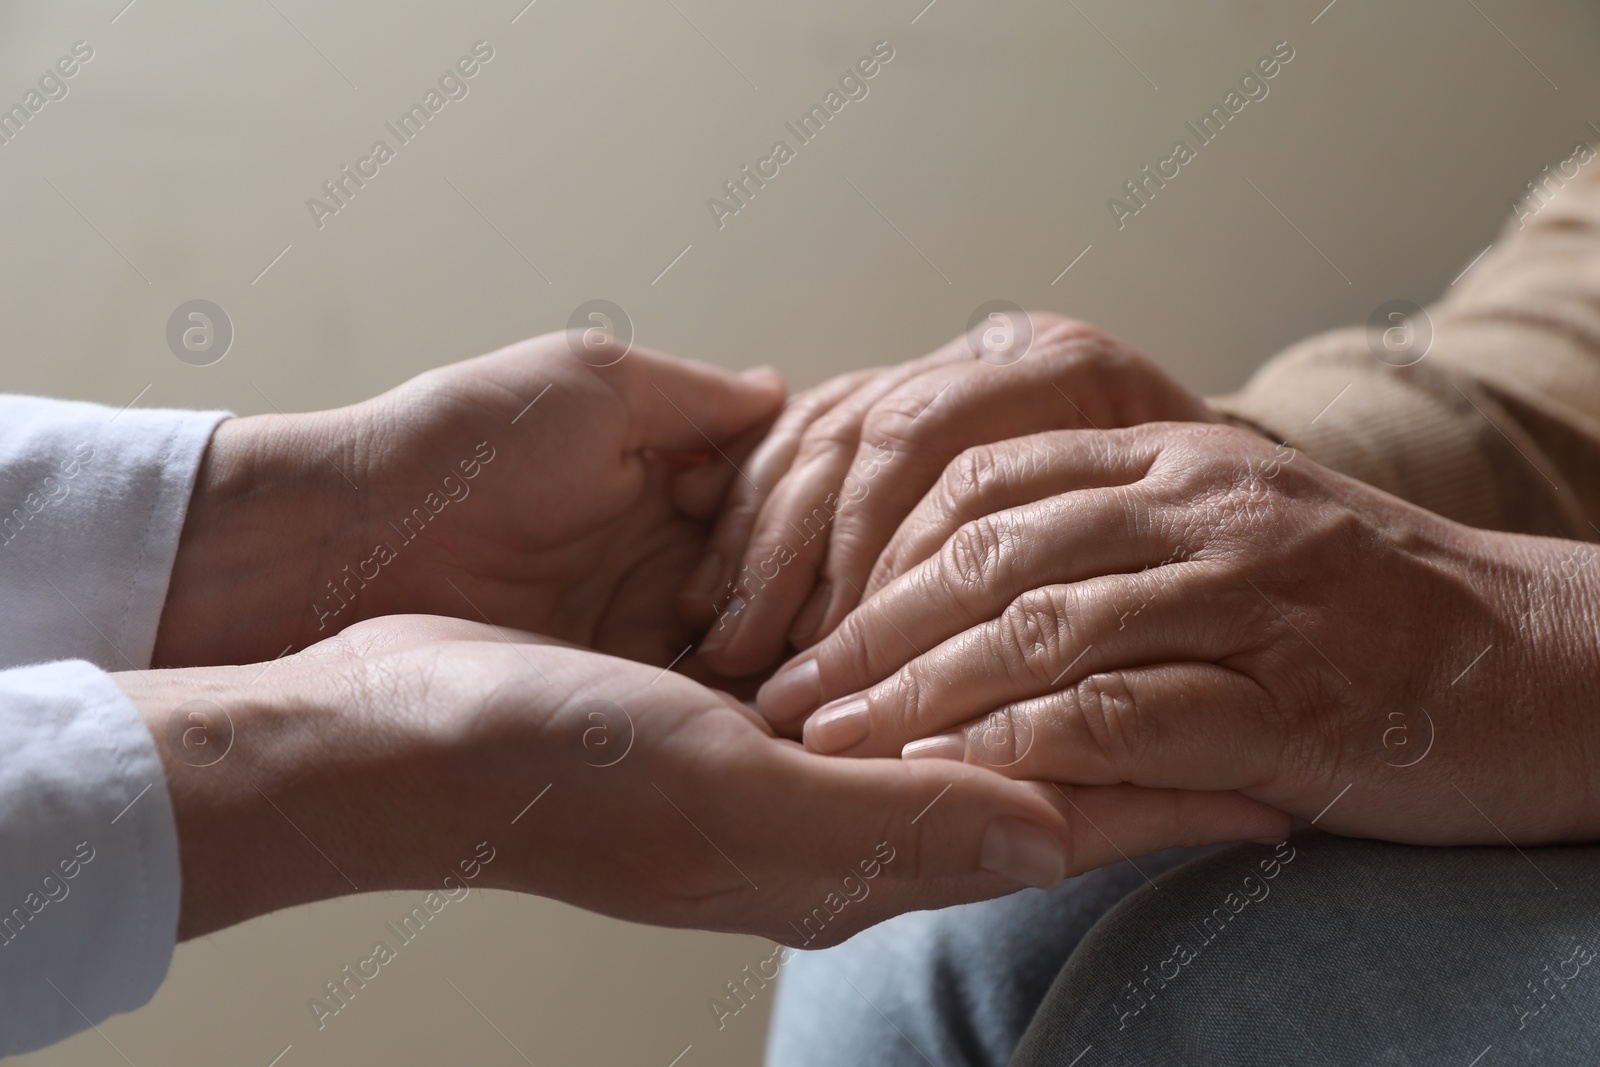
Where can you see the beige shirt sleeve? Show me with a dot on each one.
(1498, 426)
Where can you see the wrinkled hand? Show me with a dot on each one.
(1192, 607)
(794, 549)
(398, 746)
(527, 487)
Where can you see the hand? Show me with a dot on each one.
(381, 758)
(526, 487)
(1190, 607)
(795, 547)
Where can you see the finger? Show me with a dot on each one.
(935, 821)
(1194, 726)
(985, 565)
(699, 488)
(990, 478)
(908, 842)
(1123, 822)
(910, 436)
(1105, 825)
(680, 405)
(867, 839)
(884, 468)
(704, 591)
(780, 559)
(1044, 639)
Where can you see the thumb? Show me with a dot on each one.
(678, 405)
(932, 836)
(944, 839)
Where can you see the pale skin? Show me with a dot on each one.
(385, 746)
(579, 527)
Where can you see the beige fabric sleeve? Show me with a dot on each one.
(1498, 426)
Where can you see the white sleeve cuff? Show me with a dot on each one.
(92, 503)
(90, 882)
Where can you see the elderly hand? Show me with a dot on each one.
(528, 487)
(795, 546)
(1191, 607)
(380, 758)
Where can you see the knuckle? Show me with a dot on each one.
(1002, 737)
(1056, 333)
(792, 426)
(830, 435)
(1229, 509)
(908, 710)
(1087, 352)
(850, 653)
(1230, 490)
(891, 423)
(976, 556)
(1109, 724)
(820, 399)
(967, 477)
(765, 556)
(1035, 633)
(862, 651)
(892, 562)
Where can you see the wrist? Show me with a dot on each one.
(220, 740)
(1533, 678)
(272, 782)
(269, 506)
(372, 762)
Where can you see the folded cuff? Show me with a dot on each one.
(92, 503)
(90, 884)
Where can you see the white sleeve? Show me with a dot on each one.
(89, 883)
(92, 503)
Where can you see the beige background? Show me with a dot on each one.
(1393, 141)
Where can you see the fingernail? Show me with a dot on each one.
(1023, 853)
(727, 624)
(838, 726)
(702, 584)
(792, 692)
(803, 632)
(945, 746)
(766, 374)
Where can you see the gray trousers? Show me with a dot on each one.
(1322, 951)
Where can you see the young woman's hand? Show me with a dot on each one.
(528, 487)
(382, 758)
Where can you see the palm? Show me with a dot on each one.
(670, 803)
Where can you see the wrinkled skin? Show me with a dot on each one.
(795, 545)
(1193, 607)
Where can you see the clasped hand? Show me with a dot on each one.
(552, 581)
